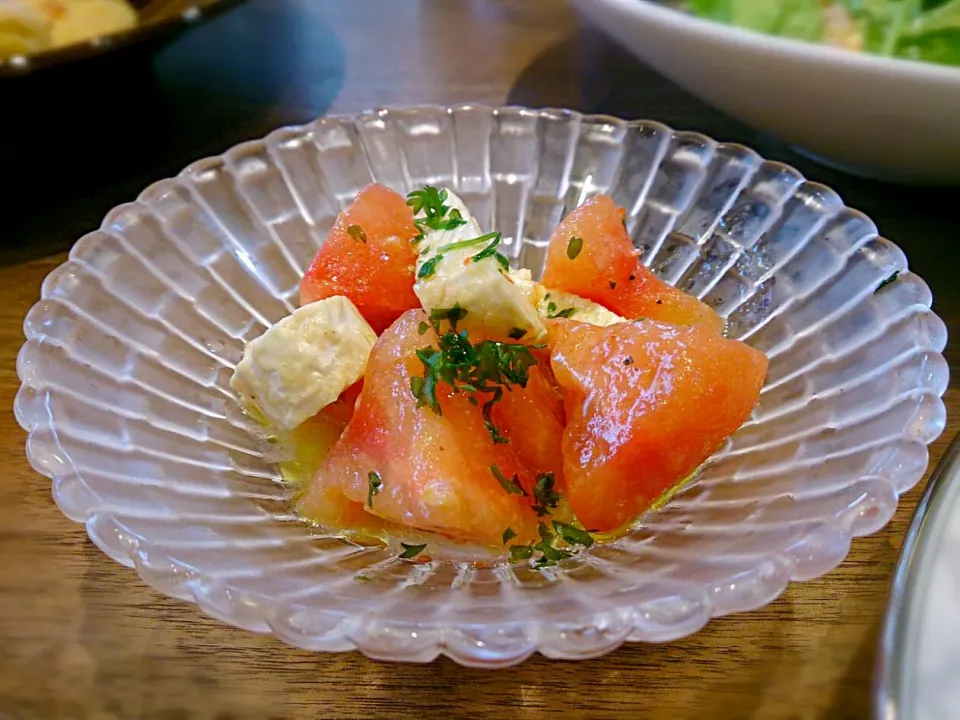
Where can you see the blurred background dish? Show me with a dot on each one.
(918, 662)
(35, 34)
(923, 30)
(878, 117)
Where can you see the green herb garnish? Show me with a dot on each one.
(565, 313)
(357, 233)
(520, 552)
(491, 250)
(374, 483)
(574, 247)
(411, 551)
(543, 491)
(511, 485)
(362, 578)
(487, 411)
(545, 533)
(508, 535)
(550, 555)
(451, 315)
(429, 199)
(454, 220)
(462, 244)
(887, 281)
(422, 328)
(437, 216)
(429, 267)
(487, 367)
(573, 535)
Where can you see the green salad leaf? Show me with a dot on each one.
(942, 47)
(924, 30)
(802, 19)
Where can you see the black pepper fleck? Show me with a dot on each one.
(628, 360)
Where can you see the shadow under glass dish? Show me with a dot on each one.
(150, 315)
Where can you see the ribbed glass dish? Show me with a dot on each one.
(126, 399)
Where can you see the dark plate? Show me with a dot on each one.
(160, 20)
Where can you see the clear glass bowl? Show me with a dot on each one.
(125, 382)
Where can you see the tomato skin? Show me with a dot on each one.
(375, 267)
(435, 469)
(607, 270)
(647, 403)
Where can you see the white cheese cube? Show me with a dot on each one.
(303, 363)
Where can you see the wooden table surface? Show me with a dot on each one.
(84, 638)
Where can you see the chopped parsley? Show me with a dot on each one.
(546, 552)
(508, 535)
(429, 268)
(887, 281)
(463, 244)
(454, 220)
(430, 201)
(565, 313)
(451, 315)
(573, 535)
(487, 367)
(411, 551)
(422, 328)
(551, 306)
(549, 555)
(495, 434)
(511, 485)
(574, 247)
(374, 483)
(362, 578)
(491, 250)
(520, 552)
(544, 493)
(357, 233)
(516, 333)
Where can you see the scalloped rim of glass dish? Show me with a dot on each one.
(899, 642)
(26, 64)
(609, 629)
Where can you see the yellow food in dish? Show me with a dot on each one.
(30, 26)
(22, 29)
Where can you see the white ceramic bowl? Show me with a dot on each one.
(126, 399)
(884, 118)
